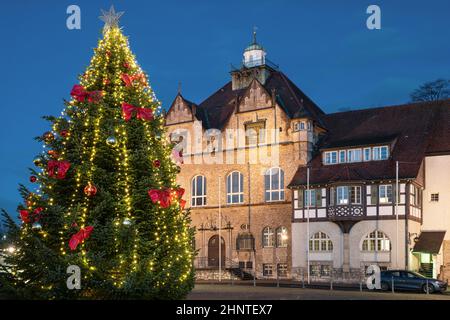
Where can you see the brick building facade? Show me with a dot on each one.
(240, 150)
(246, 150)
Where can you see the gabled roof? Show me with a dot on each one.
(413, 130)
(215, 111)
(190, 104)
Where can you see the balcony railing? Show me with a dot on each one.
(344, 212)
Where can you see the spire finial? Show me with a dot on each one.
(179, 87)
(254, 34)
(111, 18)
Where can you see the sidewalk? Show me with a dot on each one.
(288, 283)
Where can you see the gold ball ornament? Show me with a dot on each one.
(37, 161)
(111, 141)
(90, 190)
(48, 136)
(36, 226)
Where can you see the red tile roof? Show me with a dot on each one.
(414, 130)
(215, 111)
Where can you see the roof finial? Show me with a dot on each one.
(179, 87)
(254, 34)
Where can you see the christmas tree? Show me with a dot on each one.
(106, 199)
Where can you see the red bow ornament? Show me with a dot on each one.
(79, 237)
(57, 168)
(166, 196)
(34, 216)
(80, 94)
(141, 113)
(129, 79)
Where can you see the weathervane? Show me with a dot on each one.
(111, 18)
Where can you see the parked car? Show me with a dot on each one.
(411, 281)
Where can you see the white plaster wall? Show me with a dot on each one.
(362, 228)
(436, 215)
(300, 242)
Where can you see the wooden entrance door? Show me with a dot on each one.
(213, 251)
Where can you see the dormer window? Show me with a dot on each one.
(342, 156)
(380, 153)
(367, 154)
(330, 157)
(356, 155)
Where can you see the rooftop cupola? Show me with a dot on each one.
(254, 54)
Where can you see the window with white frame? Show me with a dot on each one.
(367, 153)
(354, 155)
(274, 184)
(385, 193)
(282, 237)
(310, 198)
(330, 157)
(320, 241)
(380, 153)
(267, 237)
(342, 195)
(282, 269)
(267, 270)
(320, 270)
(198, 191)
(376, 241)
(235, 187)
(355, 194)
(342, 156)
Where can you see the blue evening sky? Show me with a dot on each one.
(323, 46)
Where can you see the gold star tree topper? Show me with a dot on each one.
(111, 18)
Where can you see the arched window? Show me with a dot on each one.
(267, 239)
(274, 184)
(235, 187)
(198, 191)
(320, 241)
(282, 237)
(376, 241)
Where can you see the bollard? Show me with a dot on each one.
(428, 290)
(331, 283)
(360, 286)
(392, 285)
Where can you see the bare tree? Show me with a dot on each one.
(432, 91)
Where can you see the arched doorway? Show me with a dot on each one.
(213, 251)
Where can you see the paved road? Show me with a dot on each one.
(241, 292)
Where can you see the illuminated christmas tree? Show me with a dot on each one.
(106, 198)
